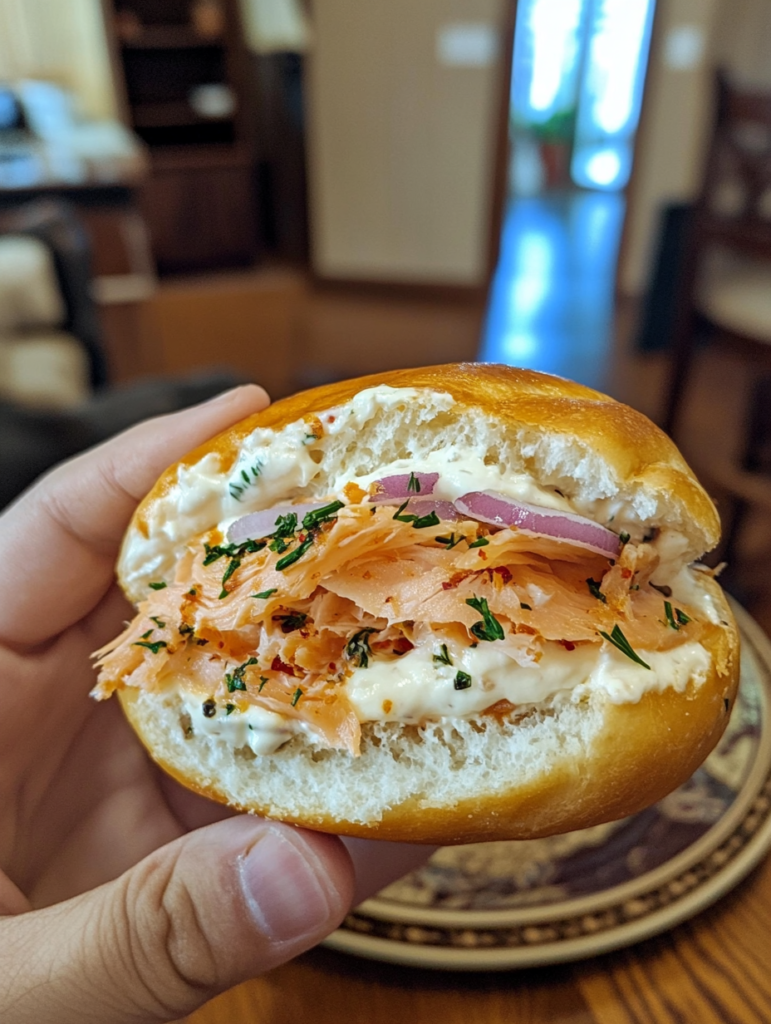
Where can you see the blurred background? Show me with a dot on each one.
(199, 192)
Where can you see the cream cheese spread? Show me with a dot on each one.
(280, 466)
(416, 687)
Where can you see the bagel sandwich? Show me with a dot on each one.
(441, 605)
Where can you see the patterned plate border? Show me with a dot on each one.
(527, 937)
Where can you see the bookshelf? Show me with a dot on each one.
(185, 88)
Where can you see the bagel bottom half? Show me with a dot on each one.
(548, 768)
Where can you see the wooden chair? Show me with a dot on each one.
(724, 293)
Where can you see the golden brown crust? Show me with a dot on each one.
(635, 449)
(644, 751)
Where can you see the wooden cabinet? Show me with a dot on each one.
(183, 73)
(200, 211)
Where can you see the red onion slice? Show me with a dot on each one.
(399, 486)
(498, 510)
(261, 524)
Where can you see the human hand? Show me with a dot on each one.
(126, 898)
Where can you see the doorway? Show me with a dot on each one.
(576, 91)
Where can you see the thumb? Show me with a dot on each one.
(209, 910)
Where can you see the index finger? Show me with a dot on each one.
(59, 541)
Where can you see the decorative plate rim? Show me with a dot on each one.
(588, 925)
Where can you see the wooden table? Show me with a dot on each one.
(715, 969)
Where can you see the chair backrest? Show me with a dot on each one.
(56, 224)
(734, 206)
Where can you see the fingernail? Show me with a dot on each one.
(230, 393)
(289, 895)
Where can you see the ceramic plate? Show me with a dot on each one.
(497, 906)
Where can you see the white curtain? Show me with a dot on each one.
(61, 41)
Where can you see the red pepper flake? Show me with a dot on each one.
(455, 579)
(330, 419)
(482, 555)
(277, 665)
(332, 667)
(402, 645)
(626, 574)
(503, 572)
(568, 645)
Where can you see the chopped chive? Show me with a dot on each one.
(398, 513)
(184, 629)
(321, 515)
(418, 522)
(158, 586)
(296, 696)
(265, 594)
(617, 638)
(154, 647)
(235, 680)
(490, 628)
(480, 542)
(217, 551)
(157, 621)
(623, 537)
(286, 525)
(192, 592)
(279, 545)
(462, 681)
(450, 541)
(296, 555)
(443, 658)
(233, 564)
(291, 622)
(594, 590)
(671, 620)
(421, 522)
(358, 647)
(682, 618)
(148, 633)
(229, 709)
(263, 681)
(413, 484)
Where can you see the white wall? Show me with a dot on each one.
(678, 114)
(676, 118)
(63, 41)
(401, 145)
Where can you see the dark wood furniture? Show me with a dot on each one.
(723, 294)
(732, 214)
(184, 79)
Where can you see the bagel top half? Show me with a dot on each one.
(403, 663)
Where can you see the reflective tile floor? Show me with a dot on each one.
(551, 303)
